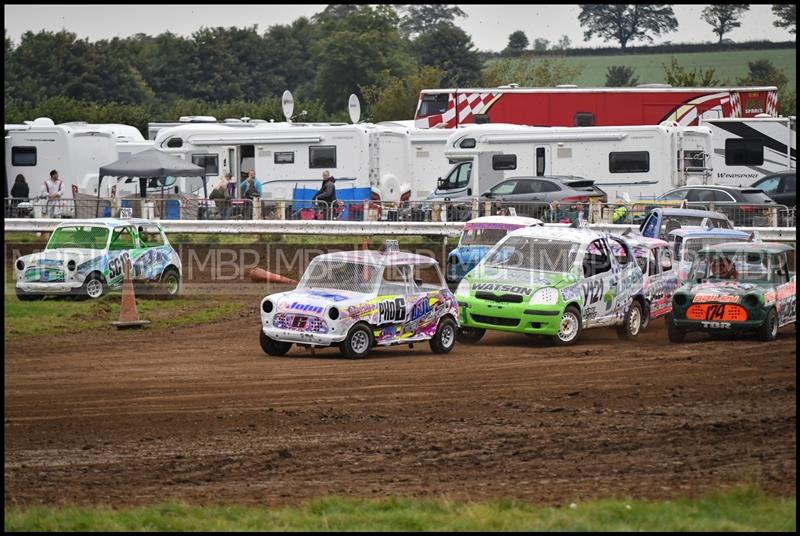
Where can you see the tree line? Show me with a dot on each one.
(385, 54)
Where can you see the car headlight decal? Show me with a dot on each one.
(545, 296)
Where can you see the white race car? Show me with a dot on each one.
(360, 299)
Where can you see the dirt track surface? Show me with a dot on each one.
(202, 415)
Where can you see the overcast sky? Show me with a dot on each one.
(489, 25)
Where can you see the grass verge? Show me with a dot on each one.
(741, 509)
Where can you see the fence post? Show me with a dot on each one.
(487, 208)
(281, 210)
(256, 209)
(475, 207)
(595, 211)
(773, 217)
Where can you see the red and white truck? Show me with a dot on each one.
(568, 106)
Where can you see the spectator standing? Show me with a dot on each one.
(20, 192)
(53, 191)
(251, 190)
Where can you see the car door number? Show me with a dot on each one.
(592, 291)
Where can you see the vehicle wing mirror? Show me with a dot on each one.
(440, 183)
(488, 194)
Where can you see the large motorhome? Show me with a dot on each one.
(568, 106)
(746, 149)
(641, 160)
(77, 150)
(389, 161)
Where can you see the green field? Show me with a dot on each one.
(729, 66)
(741, 509)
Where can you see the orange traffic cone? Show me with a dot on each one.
(259, 275)
(128, 316)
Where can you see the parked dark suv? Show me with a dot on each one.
(748, 207)
(781, 187)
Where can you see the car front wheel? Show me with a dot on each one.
(769, 329)
(569, 328)
(675, 333)
(445, 337)
(170, 283)
(95, 286)
(632, 323)
(358, 342)
(273, 347)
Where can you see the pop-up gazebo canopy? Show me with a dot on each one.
(152, 163)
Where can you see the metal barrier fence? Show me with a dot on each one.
(193, 208)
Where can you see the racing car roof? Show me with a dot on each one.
(749, 247)
(691, 212)
(377, 258)
(644, 241)
(716, 232)
(580, 235)
(520, 221)
(107, 222)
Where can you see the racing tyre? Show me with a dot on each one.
(25, 296)
(769, 329)
(358, 342)
(645, 316)
(675, 333)
(469, 335)
(570, 327)
(170, 283)
(445, 337)
(94, 287)
(632, 325)
(273, 347)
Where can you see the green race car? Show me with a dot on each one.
(736, 286)
(555, 282)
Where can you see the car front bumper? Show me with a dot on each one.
(513, 317)
(48, 288)
(301, 337)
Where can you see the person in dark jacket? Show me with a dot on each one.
(326, 194)
(20, 192)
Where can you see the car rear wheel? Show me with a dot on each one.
(170, 283)
(769, 329)
(645, 316)
(358, 342)
(469, 335)
(445, 337)
(273, 347)
(632, 324)
(675, 333)
(569, 328)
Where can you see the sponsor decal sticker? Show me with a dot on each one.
(525, 291)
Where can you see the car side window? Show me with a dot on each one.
(676, 195)
(664, 259)
(720, 195)
(596, 260)
(122, 239)
(700, 196)
(526, 187)
(504, 188)
(781, 269)
(789, 184)
(547, 186)
(770, 184)
(151, 236)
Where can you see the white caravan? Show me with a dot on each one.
(745, 149)
(77, 150)
(640, 160)
(389, 161)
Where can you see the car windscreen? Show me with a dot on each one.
(341, 275)
(745, 267)
(79, 236)
(482, 237)
(692, 245)
(529, 253)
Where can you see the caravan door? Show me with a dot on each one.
(541, 160)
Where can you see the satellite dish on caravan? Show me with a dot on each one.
(287, 102)
(354, 107)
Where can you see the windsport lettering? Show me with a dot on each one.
(525, 291)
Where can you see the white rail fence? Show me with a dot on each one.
(351, 228)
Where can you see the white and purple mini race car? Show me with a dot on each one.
(361, 299)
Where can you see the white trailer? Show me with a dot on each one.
(745, 149)
(639, 160)
(389, 161)
(77, 150)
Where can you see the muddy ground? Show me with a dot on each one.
(202, 415)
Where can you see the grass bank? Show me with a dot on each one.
(740, 509)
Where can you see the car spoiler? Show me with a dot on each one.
(579, 184)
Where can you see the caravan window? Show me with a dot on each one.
(175, 142)
(744, 152)
(208, 161)
(583, 119)
(433, 104)
(284, 157)
(322, 157)
(629, 162)
(504, 161)
(23, 156)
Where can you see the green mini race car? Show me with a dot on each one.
(733, 287)
(555, 282)
(86, 258)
